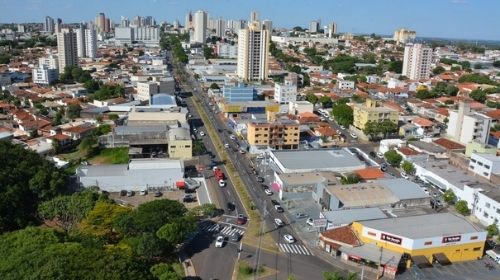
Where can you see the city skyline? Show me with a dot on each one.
(460, 19)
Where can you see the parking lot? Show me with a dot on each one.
(137, 199)
(484, 269)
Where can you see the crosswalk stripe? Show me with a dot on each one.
(295, 249)
(282, 248)
(303, 250)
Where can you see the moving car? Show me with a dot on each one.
(301, 215)
(353, 135)
(241, 219)
(279, 209)
(232, 137)
(279, 222)
(383, 167)
(226, 145)
(236, 237)
(222, 183)
(288, 238)
(268, 191)
(230, 206)
(342, 127)
(274, 201)
(219, 242)
(310, 222)
(260, 179)
(202, 133)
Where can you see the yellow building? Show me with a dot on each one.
(371, 111)
(180, 144)
(419, 240)
(277, 135)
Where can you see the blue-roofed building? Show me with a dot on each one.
(163, 99)
(240, 93)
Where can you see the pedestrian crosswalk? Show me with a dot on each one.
(223, 229)
(294, 249)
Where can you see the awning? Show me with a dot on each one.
(435, 182)
(442, 259)
(180, 184)
(421, 261)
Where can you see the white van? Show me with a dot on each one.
(494, 254)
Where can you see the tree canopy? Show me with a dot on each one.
(342, 113)
(393, 158)
(26, 180)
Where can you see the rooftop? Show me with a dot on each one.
(306, 178)
(428, 146)
(347, 216)
(339, 160)
(423, 226)
(448, 144)
(342, 235)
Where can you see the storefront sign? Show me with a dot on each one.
(392, 239)
(450, 239)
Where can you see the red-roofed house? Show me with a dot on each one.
(369, 174)
(78, 132)
(449, 145)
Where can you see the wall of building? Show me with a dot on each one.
(182, 149)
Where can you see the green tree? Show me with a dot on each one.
(326, 101)
(492, 230)
(73, 111)
(496, 63)
(214, 86)
(26, 180)
(396, 66)
(350, 179)
(408, 167)
(449, 196)
(337, 276)
(99, 221)
(205, 210)
(312, 98)
(343, 114)
(5, 58)
(164, 271)
(478, 95)
(177, 230)
(393, 158)
(208, 52)
(438, 70)
(151, 216)
(462, 207)
(476, 78)
(113, 117)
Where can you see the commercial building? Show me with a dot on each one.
(285, 92)
(226, 50)
(50, 61)
(240, 93)
(67, 49)
(235, 109)
(335, 160)
(180, 144)
(482, 197)
(253, 52)
(417, 61)
(403, 36)
(276, 135)
(299, 107)
(465, 125)
(157, 116)
(200, 27)
(344, 217)
(393, 243)
(485, 164)
(43, 75)
(138, 174)
(147, 35)
(145, 90)
(371, 111)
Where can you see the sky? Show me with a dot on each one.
(464, 19)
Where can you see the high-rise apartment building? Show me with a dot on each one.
(286, 92)
(80, 41)
(465, 125)
(332, 29)
(402, 36)
(48, 26)
(267, 24)
(189, 21)
(100, 22)
(200, 27)
(44, 75)
(253, 49)
(58, 25)
(124, 22)
(67, 49)
(90, 43)
(314, 26)
(50, 61)
(417, 61)
(220, 27)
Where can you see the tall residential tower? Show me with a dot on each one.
(253, 48)
(417, 61)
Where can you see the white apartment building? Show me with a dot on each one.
(80, 41)
(314, 26)
(226, 50)
(299, 107)
(200, 27)
(464, 125)
(44, 75)
(90, 43)
(482, 197)
(147, 89)
(253, 52)
(220, 27)
(285, 92)
(50, 61)
(67, 49)
(344, 84)
(484, 164)
(417, 61)
(402, 36)
(150, 36)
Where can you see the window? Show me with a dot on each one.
(471, 167)
(474, 237)
(485, 173)
(473, 160)
(172, 147)
(479, 163)
(372, 233)
(477, 249)
(486, 166)
(427, 243)
(487, 205)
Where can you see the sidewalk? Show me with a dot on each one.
(189, 270)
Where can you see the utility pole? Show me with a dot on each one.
(256, 268)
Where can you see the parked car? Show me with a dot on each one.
(226, 145)
(231, 206)
(158, 194)
(279, 209)
(143, 192)
(268, 191)
(288, 238)
(130, 193)
(380, 155)
(123, 193)
(222, 183)
(404, 175)
(342, 127)
(219, 242)
(236, 237)
(310, 221)
(300, 215)
(241, 219)
(353, 135)
(279, 222)
(232, 137)
(260, 156)
(274, 202)
(260, 179)
(202, 133)
(189, 198)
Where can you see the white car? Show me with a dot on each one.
(353, 135)
(143, 192)
(194, 129)
(404, 175)
(219, 242)
(260, 156)
(268, 191)
(427, 191)
(342, 127)
(380, 155)
(288, 238)
(202, 133)
(310, 222)
(222, 183)
(232, 137)
(226, 145)
(279, 222)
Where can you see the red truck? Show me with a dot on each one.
(219, 174)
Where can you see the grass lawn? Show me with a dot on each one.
(110, 156)
(245, 271)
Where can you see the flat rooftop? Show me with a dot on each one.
(338, 160)
(306, 178)
(423, 226)
(344, 217)
(362, 195)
